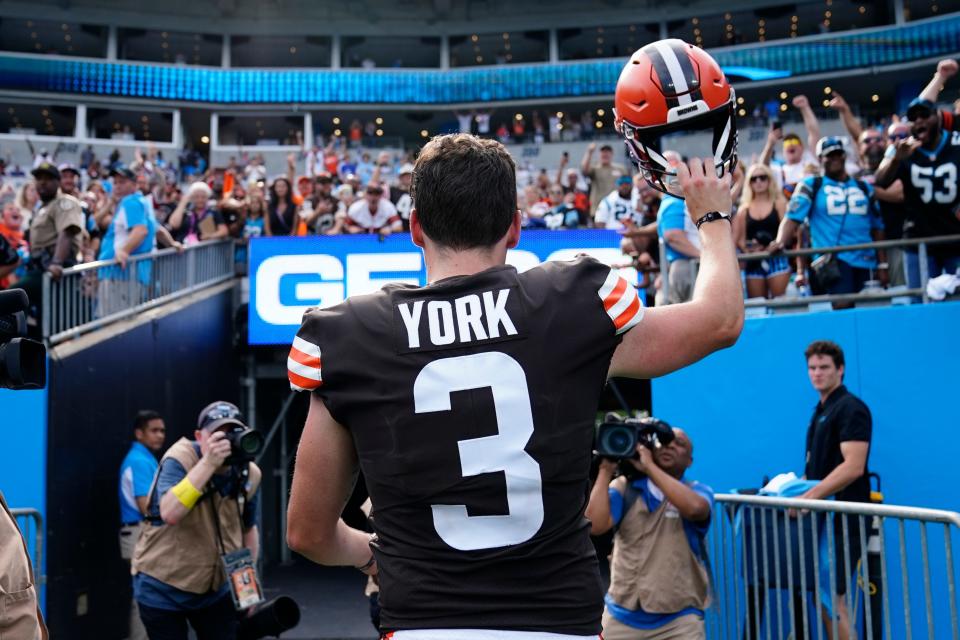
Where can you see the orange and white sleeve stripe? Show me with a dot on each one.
(303, 365)
(621, 301)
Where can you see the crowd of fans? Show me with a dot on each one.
(339, 189)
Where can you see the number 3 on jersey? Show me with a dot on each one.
(501, 452)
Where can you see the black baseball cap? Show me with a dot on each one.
(919, 107)
(123, 172)
(46, 169)
(217, 414)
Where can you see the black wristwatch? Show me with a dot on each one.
(711, 216)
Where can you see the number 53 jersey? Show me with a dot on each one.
(471, 403)
(931, 190)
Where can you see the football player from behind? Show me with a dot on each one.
(469, 404)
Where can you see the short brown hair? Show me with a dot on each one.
(826, 348)
(464, 191)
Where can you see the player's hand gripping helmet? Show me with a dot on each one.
(670, 86)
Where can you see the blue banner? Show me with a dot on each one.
(290, 275)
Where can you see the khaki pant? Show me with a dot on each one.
(118, 295)
(688, 627)
(129, 534)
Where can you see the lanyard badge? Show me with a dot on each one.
(243, 579)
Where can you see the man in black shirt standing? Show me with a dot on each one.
(838, 445)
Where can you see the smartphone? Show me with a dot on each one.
(776, 125)
(566, 155)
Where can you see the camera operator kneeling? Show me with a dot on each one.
(659, 582)
(202, 506)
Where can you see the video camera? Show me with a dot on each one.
(617, 438)
(23, 362)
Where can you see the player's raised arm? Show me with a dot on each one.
(676, 335)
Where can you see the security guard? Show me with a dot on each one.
(56, 228)
(20, 617)
(56, 231)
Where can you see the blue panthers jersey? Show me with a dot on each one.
(841, 214)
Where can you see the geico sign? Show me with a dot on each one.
(326, 280)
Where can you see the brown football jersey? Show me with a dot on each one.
(471, 403)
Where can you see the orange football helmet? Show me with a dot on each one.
(670, 86)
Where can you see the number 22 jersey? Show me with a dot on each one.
(471, 403)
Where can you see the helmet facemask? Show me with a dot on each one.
(647, 144)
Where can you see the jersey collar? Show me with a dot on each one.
(932, 155)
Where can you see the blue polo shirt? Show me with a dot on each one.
(841, 214)
(671, 215)
(695, 533)
(136, 476)
(132, 211)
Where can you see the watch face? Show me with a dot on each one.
(711, 216)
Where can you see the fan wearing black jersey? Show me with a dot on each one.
(928, 163)
(469, 405)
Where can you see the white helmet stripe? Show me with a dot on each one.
(659, 159)
(676, 72)
(722, 144)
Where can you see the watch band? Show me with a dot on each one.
(711, 216)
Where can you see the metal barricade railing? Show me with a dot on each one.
(94, 294)
(921, 245)
(30, 523)
(779, 563)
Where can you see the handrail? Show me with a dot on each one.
(99, 264)
(797, 301)
(836, 506)
(74, 304)
(881, 244)
(764, 547)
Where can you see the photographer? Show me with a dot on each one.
(202, 506)
(659, 582)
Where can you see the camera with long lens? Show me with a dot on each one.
(617, 438)
(245, 443)
(23, 362)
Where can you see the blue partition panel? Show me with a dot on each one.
(23, 454)
(23, 448)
